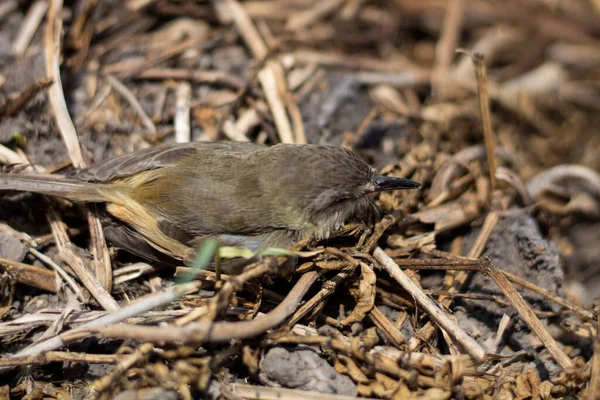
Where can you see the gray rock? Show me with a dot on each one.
(11, 247)
(302, 368)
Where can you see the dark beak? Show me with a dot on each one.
(386, 183)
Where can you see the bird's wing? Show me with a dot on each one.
(156, 157)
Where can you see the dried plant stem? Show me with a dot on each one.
(525, 312)
(205, 332)
(155, 301)
(327, 290)
(56, 94)
(59, 356)
(30, 275)
(67, 253)
(133, 102)
(446, 45)
(433, 309)
(271, 76)
(30, 24)
(460, 277)
(61, 272)
(182, 113)
(486, 119)
(52, 51)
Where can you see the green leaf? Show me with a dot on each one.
(203, 256)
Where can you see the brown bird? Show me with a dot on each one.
(175, 197)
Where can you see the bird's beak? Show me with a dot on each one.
(386, 183)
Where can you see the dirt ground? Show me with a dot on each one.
(501, 240)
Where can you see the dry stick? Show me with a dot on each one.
(446, 45)
(133, 102)
(182, 113)
(465, 264)
(30, 24)
(67, 254)
(7, 156)
(57, 97)
(154, 301)
(211, 332)
(30, 275)
(390, 331)
(460, 277)
(61, 272)
(59, 356)
(106, 381)
(486, 119)
(271, 76)
(312, 14)
(52, 47)
(328, 289)
(525, 312)
(200, 76)
(15, 105)
(434, 310)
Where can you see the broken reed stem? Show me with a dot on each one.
(429, 305)
(59, 356)
(139, 308)
(204, 332)
(460, 277)
(52, 52)
(327, 290)
(486, 120)
(525, 312)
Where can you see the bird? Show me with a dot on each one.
(166, 201)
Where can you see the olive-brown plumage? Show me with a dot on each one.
(243, 194)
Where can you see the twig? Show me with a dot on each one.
(200, 76)
(435, 312)
(30, 24)
(7, 156)
(30, 275)
(201, 332)
(133, 102)
(67, 254)
(52, 50)
(326, 291)
(460, 277)
(56, 94)
(15, 105)
(182, 113)
(444, 50)
(247, 29)
(106, 381)
(154, 301)
(312, 14)
(59, 356)
(61, 272)
(486, 120)
(271, 76)
(390, 330)
(525, 312)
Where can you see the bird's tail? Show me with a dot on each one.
(52, 185)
